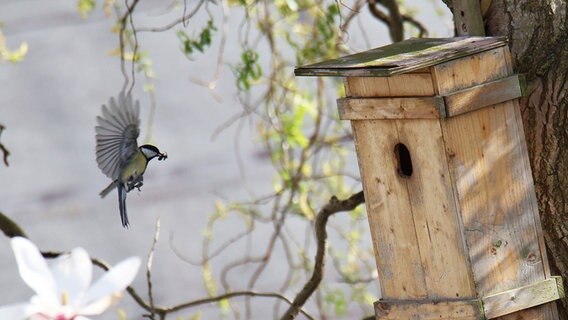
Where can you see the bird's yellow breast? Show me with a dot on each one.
(134, 168)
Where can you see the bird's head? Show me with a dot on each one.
(150, 152)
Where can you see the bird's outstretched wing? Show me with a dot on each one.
(116, 133)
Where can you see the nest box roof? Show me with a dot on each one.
(401, 57)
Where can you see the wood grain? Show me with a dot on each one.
(388, 208)
(523, 298)
(403, 57)
(429, 310)
(489, 166)
(442, 248)
(391, 108)
(483, 95)
(405, 85)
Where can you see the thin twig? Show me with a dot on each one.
(10, 228)
(333, 206)
(212, 255)
(233, 295)
(149, 267)
(134, 51)
(162, 311)
(5, 151)
(121, 36)
(394, 20)
(421, 28)
(177, 21)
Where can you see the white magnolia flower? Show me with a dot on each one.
(63, 289)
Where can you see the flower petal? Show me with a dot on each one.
(113, 281)
(73, 273)
(15, 311)
(99, 306)
(33, 269)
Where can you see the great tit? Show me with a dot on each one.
(118, 154)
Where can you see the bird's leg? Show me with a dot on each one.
(138, 185)
(135, 182)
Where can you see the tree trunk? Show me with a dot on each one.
(537, 32)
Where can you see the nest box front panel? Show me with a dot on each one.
(386, 197)
(409, 196)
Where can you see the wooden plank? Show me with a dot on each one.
(388, 208)
(469, 71)
(493, 184)
(535, 294)
(367, 87)
(406, 85)
(467, 18)
(411, 85)
(531, 199)
(442, 248)
(390, 108)
(470, 309)
(402, 57)
(491, 189)
(391, 219)
(484, 95)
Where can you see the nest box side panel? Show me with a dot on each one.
(526, 163)
(489, 167)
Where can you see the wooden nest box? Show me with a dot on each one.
(447, 181)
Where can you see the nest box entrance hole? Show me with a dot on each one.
(404, 161)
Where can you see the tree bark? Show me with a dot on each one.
(537, 32)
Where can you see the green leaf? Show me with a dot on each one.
(199, 43)
(85, 7)
(248, 70)
(336, 298)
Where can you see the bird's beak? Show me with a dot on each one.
(162, 156)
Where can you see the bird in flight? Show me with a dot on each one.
(118, 155)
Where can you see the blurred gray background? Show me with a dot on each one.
(49, 103)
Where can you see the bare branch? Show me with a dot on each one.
(149, 267)
(3, 148)
(417, 24)
(396, 28)
(333, 206)
(10, 228)
(162, 311)
(393, 19)
(233, 295)
(377, 13)
(121, 36)
(176, 22)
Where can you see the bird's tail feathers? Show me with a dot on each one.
(122, 205)
(108, 189)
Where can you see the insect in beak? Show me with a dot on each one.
(162, 156)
